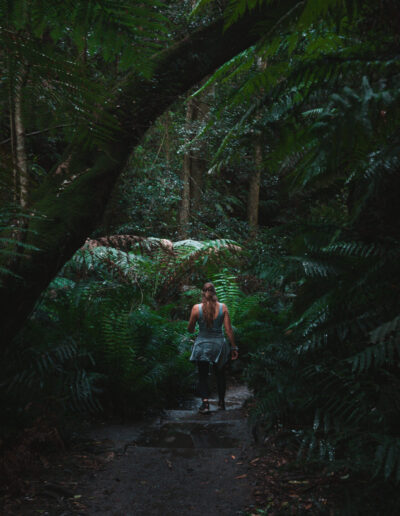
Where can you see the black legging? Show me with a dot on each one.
(204, 390)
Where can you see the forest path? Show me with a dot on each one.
(180, 463)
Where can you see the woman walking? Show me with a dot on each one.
(210, 346)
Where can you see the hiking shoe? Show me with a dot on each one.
(204, 408)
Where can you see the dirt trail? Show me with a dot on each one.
(179, 463)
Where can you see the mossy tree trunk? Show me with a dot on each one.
(70, 212)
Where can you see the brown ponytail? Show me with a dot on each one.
(209, 300)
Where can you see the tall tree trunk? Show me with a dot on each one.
(198, 165)
(197, 171)
(70, 212)
(253, 201)
(254, 189)
(21, 161)
(193, 168)
(184, 211)
(167, 147)
(15, 181)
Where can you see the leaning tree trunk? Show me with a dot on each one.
(70, 212)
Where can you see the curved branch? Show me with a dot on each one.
(72, 213)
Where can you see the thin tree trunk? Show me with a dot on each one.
(254, 189)
(253, 200)
(19, 160)
(11, 106)
(198, 165)
(184, 211)
(167, 122)
(13, 151)
(197, 170)
(20, 147)
(193, 164)
(83, 55)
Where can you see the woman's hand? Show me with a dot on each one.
(234, 354)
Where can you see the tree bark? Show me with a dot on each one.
(254, 189)
(21, 159)
(184, 210)
(69, 213)
(198, 164)
(18, 139)
(197, 171)
(193, 166)
(13, 151)
(167, 146)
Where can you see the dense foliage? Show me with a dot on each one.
(333, 376)
(103, 337)
(313, 287)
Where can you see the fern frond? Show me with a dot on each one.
(385, 330)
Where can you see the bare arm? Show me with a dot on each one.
(229, 332)
(194, 315)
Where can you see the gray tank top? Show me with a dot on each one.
(215, 332)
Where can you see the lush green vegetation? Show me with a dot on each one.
(103, 339)
(277, 176)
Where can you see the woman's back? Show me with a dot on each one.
(214, 331)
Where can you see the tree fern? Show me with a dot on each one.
(228, 292)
